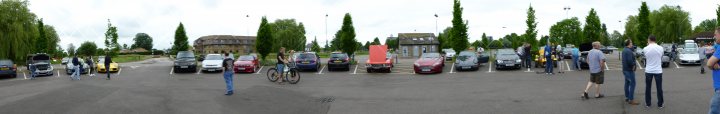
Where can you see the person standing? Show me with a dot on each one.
(90, 64)
(76, 68)
(701, 53)
(708, 52)
(281, 62)
(548, 59)
(33, 70)
(653, 70)
(713, 64)
(108, 60)
(528, 55)
(628, 62)
(596, 62)
(576, 58)
(228, 74)
(560, 57)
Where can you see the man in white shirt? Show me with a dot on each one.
(653, 69)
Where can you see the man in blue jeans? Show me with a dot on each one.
(715, 67)
(653, 70)
(228, 73)
(576, 58)
(548, 58)
(628, 62)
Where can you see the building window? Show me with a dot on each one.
(421, 39)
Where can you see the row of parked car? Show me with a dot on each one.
(306, 61)
(98, 65)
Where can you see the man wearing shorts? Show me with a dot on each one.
(596, 62)
(281, 61)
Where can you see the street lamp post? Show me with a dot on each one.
(326, 29)
(436, 25)
(566, 8)
(247, 27)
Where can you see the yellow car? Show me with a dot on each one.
(540, 59)
(101, 66)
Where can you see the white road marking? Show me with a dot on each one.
(258, 72)
(58, 73)
(355, 72)
(118, 74)
(568, 66)
(490, 66)
(676, 65)
(321, 69)
(452, 68)
(198, 72)
(171, 70)
(606, 66)
(528, 70)
(638, 64)
(24, 75)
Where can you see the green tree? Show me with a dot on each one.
(87, 48)
(124, 46)
(644, 27)
(142, 40)
(53, 40)
(346, 34)
(705, 25)
(717, 13)
(632, 32)
(181, 40)
(367, 45)
(670, 24)
(41, 44)
(616, 39)
(458, 33)
(568, 31)
(17, 30)
(485, 41)
(531, 31)
(593, 27)
(264, 43)
(111, 38)
(376, 41)
(391, 43)
(289, 34)
(315, 46)
(444, 38)
(475, 44)
(71, 49)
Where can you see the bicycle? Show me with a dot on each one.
(292, 75)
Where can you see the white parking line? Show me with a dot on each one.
(118, 74)
(606, 66)
(490, 66)
(355, 72)
(321, 70)
(568, 66)
(198, 72)
(676, 65)
(58, 74)
(258, 72)
(171, 70)
(452, 68)
(638, 64)
(24, 75)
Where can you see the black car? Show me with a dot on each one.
(584, 49)
(483, 57)
(338, 61)
(507, 59)
(467, 60)
(185, 61)
(8, 68)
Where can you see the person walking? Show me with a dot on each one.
(90, 64)
(653, 70)
(596, 62)
(576, 58)
(628, 62)
(228, 74)
(76, 68)
(108, 60)
(548, 58)
(713, 64)
(528, 55)
(708, 52)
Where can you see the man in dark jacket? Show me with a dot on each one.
(108, 60)
(227, 75)
(528, 55)
(628, 63)
(76, 68)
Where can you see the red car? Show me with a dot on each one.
(247, 63)
(429, 63)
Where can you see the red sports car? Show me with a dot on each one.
(247, 63)
(429, 63)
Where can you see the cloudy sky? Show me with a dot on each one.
(86, 20)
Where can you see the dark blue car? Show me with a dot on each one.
(308, 61)
(8, 68)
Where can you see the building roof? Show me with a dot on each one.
(417, 38)
(703, 35)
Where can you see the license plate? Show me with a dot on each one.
(338, 61)
(509, 65)
(183, 66)
(425, 70)
(466, 67)
(211, 70)
(3, 68)
(241, 68)
(305, 62)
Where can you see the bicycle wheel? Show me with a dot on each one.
(293, 76)
(272, 74)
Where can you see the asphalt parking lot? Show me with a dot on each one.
(151, 87)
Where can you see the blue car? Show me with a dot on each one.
(308, 61)
(8, 68)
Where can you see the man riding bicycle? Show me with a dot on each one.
(281, 64)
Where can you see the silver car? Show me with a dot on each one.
(70, 68)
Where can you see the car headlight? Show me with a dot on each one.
(416, 64)
(499, 61)
(177, 63)
(518, 61)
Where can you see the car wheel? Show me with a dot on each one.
(369, 71)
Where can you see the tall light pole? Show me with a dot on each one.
(566, 8)
(436, 25)
(247, 27)
(326, 28)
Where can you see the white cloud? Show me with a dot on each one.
(86, 20)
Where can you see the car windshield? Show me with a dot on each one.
(185, 55)
(338, 55)
(690, 48)
(306, 56)
(213, 57)
(506, 52)
(465, 55)
(6, 62)
(431, 55)
(246, 58)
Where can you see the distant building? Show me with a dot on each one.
(703, 37)
(414, 44)
(136, 50)
(225, 43)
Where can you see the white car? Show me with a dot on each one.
(70, 68)
(212, 63)
(689, 55)
(449, 54)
